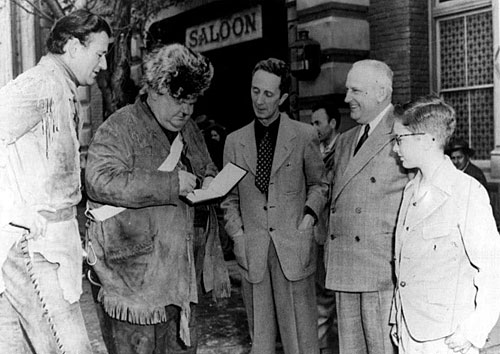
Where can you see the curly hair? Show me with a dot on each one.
(78, 24)
(429, 114)
(178, 71)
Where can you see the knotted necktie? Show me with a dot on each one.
(363, 138)
(264, 163)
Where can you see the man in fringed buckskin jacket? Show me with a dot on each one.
(144, 252)
(40, 247)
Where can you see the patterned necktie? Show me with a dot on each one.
(363, 138)
(264, 163)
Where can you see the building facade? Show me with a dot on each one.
(443, 46)
(449, 47)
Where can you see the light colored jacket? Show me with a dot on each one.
(40, 163)
(297, 181)
(447, 259)
(365, 199)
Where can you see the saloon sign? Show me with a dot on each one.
(240, 27)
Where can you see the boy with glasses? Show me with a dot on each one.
(447, 246)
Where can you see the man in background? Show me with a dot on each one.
(460, 153)
(325, 119)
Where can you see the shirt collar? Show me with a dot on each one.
(57, 59)
(441, 178)
(373, 124)
(325, 149)
(272, 128)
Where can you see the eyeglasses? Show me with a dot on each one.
(397, 138)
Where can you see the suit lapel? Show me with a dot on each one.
(407, 196)
(381, 136)
(249, 147)
(284, 143)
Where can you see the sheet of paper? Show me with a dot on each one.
(221, 184)
(105, 212)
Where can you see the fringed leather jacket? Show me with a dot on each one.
(145, 253)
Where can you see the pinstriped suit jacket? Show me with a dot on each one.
(365, 198)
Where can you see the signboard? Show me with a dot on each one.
(237, 28)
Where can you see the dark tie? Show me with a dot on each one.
(363, 138)
(264, 163)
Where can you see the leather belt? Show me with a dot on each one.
(64, 214)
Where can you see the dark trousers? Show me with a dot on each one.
(122, 337)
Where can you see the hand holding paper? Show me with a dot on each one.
(220, 186)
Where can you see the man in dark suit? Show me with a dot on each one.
(365, 198)
(325, 119)
(270, 216)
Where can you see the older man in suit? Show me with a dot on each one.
(365, 199)
(270, 216)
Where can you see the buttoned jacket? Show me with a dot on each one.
(297, 181)
(447, 259)
(364, 202)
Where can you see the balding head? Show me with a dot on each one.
(369, 89)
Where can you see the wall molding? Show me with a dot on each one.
(341, 55)
(333, 9)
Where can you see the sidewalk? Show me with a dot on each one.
(222, 326)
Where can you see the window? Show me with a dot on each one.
(464, 73)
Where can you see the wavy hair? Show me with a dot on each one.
(277, 67)
(178, 71)
(428, 114)
(79, 24)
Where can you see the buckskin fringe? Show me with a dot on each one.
(132, 313)
(144, 315)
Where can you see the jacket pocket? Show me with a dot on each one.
(305, 247)
(127, 235)
(436, 230)
(440, 301)
(239, 250)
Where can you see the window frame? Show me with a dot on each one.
(446, 11)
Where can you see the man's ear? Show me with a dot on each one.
(381, 94)
(333, 123)
(283, 98)
(71, 47)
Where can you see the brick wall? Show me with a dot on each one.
(399, 36)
